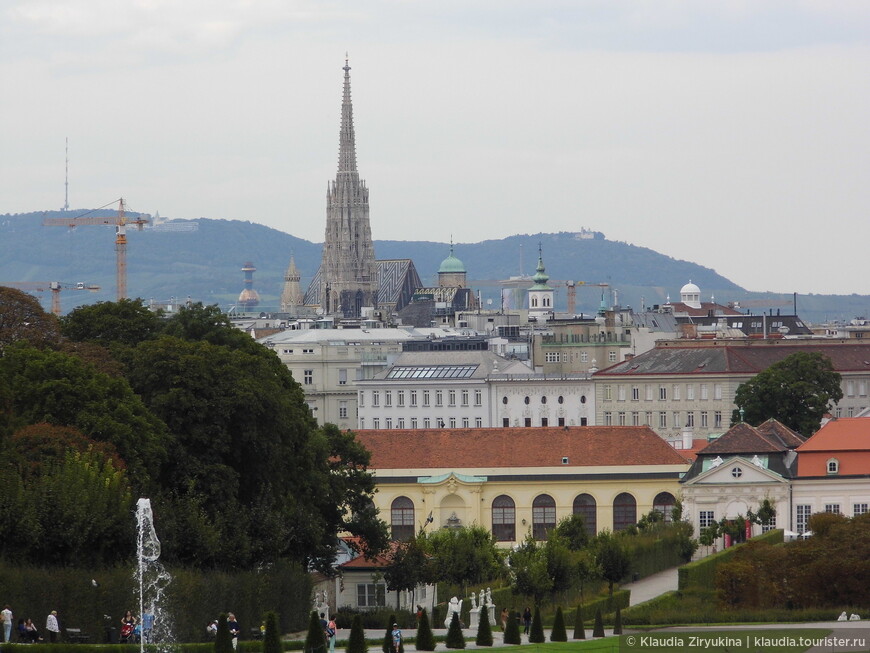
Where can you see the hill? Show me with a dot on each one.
(202, 259)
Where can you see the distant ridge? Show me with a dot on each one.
(203, 258)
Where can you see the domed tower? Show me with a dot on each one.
(452, 272)
(249, 297)
(541, 293)
(690, 295)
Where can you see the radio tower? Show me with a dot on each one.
(66, 177)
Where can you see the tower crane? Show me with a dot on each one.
(54, 286)
(120, 223)
(572, 292)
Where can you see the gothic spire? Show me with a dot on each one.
(347, 144)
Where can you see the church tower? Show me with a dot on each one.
(348, 271)
(540, 294)
(291, 295)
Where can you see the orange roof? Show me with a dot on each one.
(697, 445)
(517, 447)
(841, 434)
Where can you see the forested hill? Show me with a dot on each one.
(203, 259)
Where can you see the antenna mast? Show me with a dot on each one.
(66, 177)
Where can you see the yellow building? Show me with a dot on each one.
(513, 481)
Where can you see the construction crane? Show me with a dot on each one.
(54, 286)
(120, 223)
(572, 292)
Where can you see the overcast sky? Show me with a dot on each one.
(734, 134)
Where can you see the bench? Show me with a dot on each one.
(76, 636)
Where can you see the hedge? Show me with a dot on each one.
(608, 605)
(701, 573)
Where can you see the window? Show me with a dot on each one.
(620, 392)
(413, 422)
(465, 397)
(705, 519)
(400, 423)
(427, 423)
(552, 357)
(859, 509)
(504, 400)
(413, 397)
(704, 419)
(544, 421)
(832, 507)
(649, 418)
(439, 398)
(388, 397)
(850, 388)
(371, 595)
(663, 393)
(649, 392)
(376, 423)
(528, 421)
(769, 525)
(585, 506)
(676, 391)
(402, 518)
(478, 422)
(736, 472)
(690, 392)
(465, 423)
(453, 422)
(635, 393)
(607, 392)
(362, 422)
(608, 418)
(704, 392)
(388, 423)
(478, 397)
(664, 503)
(376, 398)
(361, 399)
(717, 391)
(833, 466)
(504, 518)
(675, 422)
(544, 399)
(308, 377)
(543, 516)
(307, 351)
(561, 399)
(342, 409)
(426, 398)
(663, 420)
(400, 398)
(717, 419)
(451, 397)
(526, 401)
(505, 422)
(611, 356)
(561, 421)
(690, 418)
(620, 418)
(803, 518)
(624, 511)
(862, 388)
(584, 357)
(635, 418)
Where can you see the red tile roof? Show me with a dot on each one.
(842, 434)
(770, 437)
(517, 447)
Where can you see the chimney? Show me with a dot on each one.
(688, 437)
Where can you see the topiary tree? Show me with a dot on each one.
(223, 641)
(579, 628)
(598, 628)
(512, 631)
(425, 638)
(536, 634)
(455, 639)
(388, 638)
(357, 641)
(484, 631)
(617, 622)
(558, 634)
(272, 638)
(315, 640)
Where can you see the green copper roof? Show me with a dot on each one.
(541, 277)
(451, 264)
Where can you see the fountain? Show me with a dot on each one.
(153, 579)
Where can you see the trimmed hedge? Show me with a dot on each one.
(606, 604)
(701, 574)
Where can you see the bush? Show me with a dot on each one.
(579, 628)
(272, 637)
(357, 641)
(512, 632)
(425, 640)
(598, 629)
(223, 641)
(536, 634)
(617, 623)
(315, 640)
(455, 638)
(607, 604)
(375, 619)
(701, 574)
(387, 646)
(558, 633)
(484, 631)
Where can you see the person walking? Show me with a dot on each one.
(235, 629)
(527, 620)
(7, 618)
(332, 634)
(52, 627)
(397, 638)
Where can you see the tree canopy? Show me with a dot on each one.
(797, 391)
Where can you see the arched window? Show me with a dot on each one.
(543, 516)
(833, 466)
(402, 518)
(534, 301)
(624, 511)
(664, 503)
(504, 518)
(585, 506)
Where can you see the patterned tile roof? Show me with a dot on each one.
(517, 447)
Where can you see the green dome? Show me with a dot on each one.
(451, 264)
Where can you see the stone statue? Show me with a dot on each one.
(455, 605)
(489, 597)
(482, 598)
(473, 601)
(843, 616)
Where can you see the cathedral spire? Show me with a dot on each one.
(347, 142)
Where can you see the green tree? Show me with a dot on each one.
(617, 622)
(198, 323)
(22, 319)
(573, 530)
(484, 630)
(528, 565)
(425, 640)
(560, 563)
(315, 638)
(356, 643)
(223, 641)
(512, 631)
(387, 645)
(127, 322)
(598, 627)
(408, 567)
(559, 634)
(579, 628)
(797, 391)
(272, 636)
(455, 638)
(586, 570)
(536, 632)
(463, 556)
(611, 558)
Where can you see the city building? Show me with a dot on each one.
(514, 481)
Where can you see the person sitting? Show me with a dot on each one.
(31, 633)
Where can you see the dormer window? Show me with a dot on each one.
(833, 466)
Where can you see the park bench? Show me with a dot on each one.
(76, 636)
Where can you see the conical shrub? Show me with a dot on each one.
(536, 634)
(425, 638)
(455, 639)
(388, 638)
(272, 638)
(357, 641)
(579, 628)
(223, 641)
(598, 628)
(315, 640)
(558, 634)
(617, 622)
(512, 632)
(484, 631)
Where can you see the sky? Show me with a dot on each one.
(730, 133)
